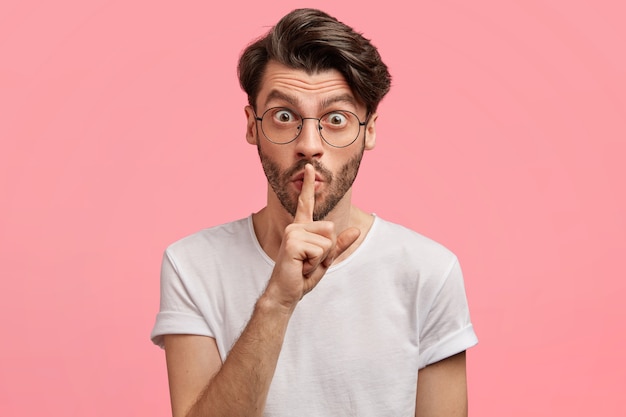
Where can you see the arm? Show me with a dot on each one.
(191, 362)
(442, 388)
(200, 385)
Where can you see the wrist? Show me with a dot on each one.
(272, 303)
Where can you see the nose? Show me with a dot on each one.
(309, 143)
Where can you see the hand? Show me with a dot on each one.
(307, 250)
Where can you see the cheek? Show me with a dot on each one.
(282, 155)
(274, 163)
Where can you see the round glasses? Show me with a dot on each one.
(338, 128)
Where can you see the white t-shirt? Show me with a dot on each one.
(354, 344)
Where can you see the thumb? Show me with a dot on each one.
(344, 241)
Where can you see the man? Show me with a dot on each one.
(312, 307)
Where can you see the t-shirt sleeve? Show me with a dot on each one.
(178, 314)
(445, 327)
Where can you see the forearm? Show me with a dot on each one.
(241, 385)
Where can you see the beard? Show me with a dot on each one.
(337, 184)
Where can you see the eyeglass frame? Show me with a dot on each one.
(319, 125)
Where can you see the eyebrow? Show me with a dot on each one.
(294, 101)
(279, 95)
(342, 98)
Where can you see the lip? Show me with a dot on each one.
(298, 180)
(300, 177)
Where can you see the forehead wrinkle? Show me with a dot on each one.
(295, 88)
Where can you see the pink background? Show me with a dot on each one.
(503, 137)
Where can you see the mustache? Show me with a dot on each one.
(326, 175)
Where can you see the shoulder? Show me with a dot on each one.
(213, 239)
(403, 241)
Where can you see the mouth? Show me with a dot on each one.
(298, 180)
(300, 177)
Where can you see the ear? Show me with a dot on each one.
(370, 132)
(251, 126)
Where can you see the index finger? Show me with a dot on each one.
(306, 200)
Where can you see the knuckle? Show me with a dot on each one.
(290, 245)
(328, 245)
(327, 228)
(293, 230)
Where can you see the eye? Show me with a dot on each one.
(284, 116)
(336, 120)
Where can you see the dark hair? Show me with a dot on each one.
(313, 41)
